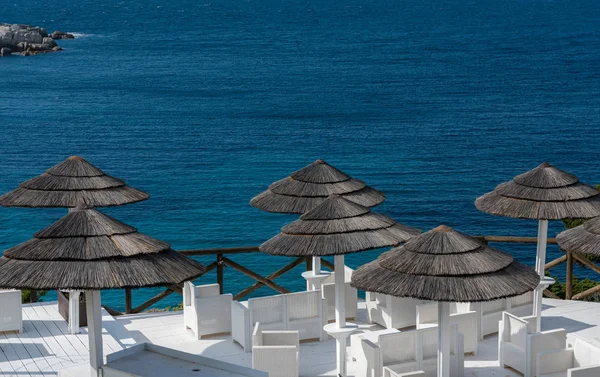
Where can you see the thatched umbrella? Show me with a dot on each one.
(72, 183)
(544, 193)
(87, 250)
(583, 239)
(446, 266)
(336, 227)
(306, 188)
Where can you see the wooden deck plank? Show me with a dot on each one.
(59, 323)
(31, 336)
(52, 343)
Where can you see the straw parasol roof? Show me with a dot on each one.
(306, 188)
(337, 226)
(545, 193)
(72, 183)
(583, 239)
(445, 265)
(88, 250)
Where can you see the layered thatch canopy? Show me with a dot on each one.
(72, 183)
(544, 193)
(306, 188)
(445, 265)
(584, 239)
(88, 250)
(337, 226)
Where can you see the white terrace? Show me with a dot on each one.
(44, 346)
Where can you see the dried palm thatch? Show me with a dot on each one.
(583, 239)
(72, 183)
(337, 226)
(88, 250)
(544, 193)
(445, 265)
(306, 188)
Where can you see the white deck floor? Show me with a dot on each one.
(44, 346)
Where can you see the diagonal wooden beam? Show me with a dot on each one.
(273, 276)
(555, 262)
(152, 301)
(327, 264)
(254, 275)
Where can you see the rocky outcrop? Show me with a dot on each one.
(62, 35)
(28, 40)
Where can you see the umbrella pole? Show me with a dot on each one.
(94, 317)
(443, 361)
(540, 265)
(73, 325)
(340, 313)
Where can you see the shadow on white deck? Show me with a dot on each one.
(44, 346)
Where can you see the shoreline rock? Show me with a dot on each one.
(29, 40)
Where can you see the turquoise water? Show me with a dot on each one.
(204, 103)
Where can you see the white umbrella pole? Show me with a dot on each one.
(73, 325)
(316, 265)
(340, 313)
(94, 318)
(443, 362)
(540, 266)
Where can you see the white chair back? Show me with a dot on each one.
(208, 290)
(524, 299)
(398, 347)
(302, 305)
(267, 310)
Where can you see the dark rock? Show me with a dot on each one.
(62, 35)
(5, 51)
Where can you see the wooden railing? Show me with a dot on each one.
(222, 260)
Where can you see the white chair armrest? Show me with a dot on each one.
(554, 361)
(589, 371)
(257, 335)
(372, 354)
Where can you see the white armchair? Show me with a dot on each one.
(429, 351)
(307, 314)
(582, 359)
(490, 312)
(276, 352)
(302, 311)
(205, 310)
(11, 313)
(519, 344)
(328, 289)
(270, 311)
(391, 312)
(407, 351)
(461, 315)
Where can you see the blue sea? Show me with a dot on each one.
(204, 103)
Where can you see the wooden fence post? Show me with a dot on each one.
(128, 305)
(309, 264)
(220, 265)
(569, 283)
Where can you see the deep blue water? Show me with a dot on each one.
(204, 103)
